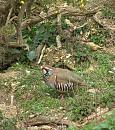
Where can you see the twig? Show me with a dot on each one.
(59, 30)
(74, 27)
(90, 44)
(58, 41)
(82, 25)
(19, 21)
(12, 100)
(12, 4)
(28, 9)
(38, 51)
(39, 121)
(42, 52)
(103, 22)
(9, 15)
(13, 18)
(15, 45)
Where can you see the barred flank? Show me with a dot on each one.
(64, 87)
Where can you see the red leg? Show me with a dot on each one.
(62, 96)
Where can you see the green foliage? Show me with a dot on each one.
(108, 13)
(63, 24)
(79, 108)
(35, 97)
(108, 124)
(31, 55)
(99, 37)
(72, 127)
(81, 103)
(46, 33)
(82, 53)
(7, 30)
(79, 30)
(28, 35)
(7, 124)
(39, 101)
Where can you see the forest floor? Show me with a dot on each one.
(26, 102)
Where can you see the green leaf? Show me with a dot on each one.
(102, 126)
(72, 127)
(31, 55)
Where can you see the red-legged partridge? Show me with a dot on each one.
(62, 80)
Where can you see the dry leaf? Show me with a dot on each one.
(8, 111)
(93, 46)
(93, 90)
(90, 69)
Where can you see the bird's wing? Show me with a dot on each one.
(67, 76)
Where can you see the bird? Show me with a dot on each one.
(63, 80)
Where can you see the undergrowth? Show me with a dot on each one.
(34, 96)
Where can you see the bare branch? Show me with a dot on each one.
(19, 21)
(42, 52)
(58, 41)
(73, 26)
(68, 10)
(9, 15)
(59, 30)
(103, 22)
(38, 51)
(28, 9)
(12, 3)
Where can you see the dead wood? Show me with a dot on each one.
(68, 10)
(99, 115)
(12, 4)
(40, 121)
(4, 10)
(88, 43)
(39, 53)
(58, 41)
(35, 20)
(107, 24)
(28, 9)
(11, 44)
(92, 45)
(59, 30)
(14, 45)
(9, 15)
(19, 21)
(8, 56)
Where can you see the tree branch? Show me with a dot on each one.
(68, 10)
(19, 21)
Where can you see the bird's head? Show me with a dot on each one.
(47, 71)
